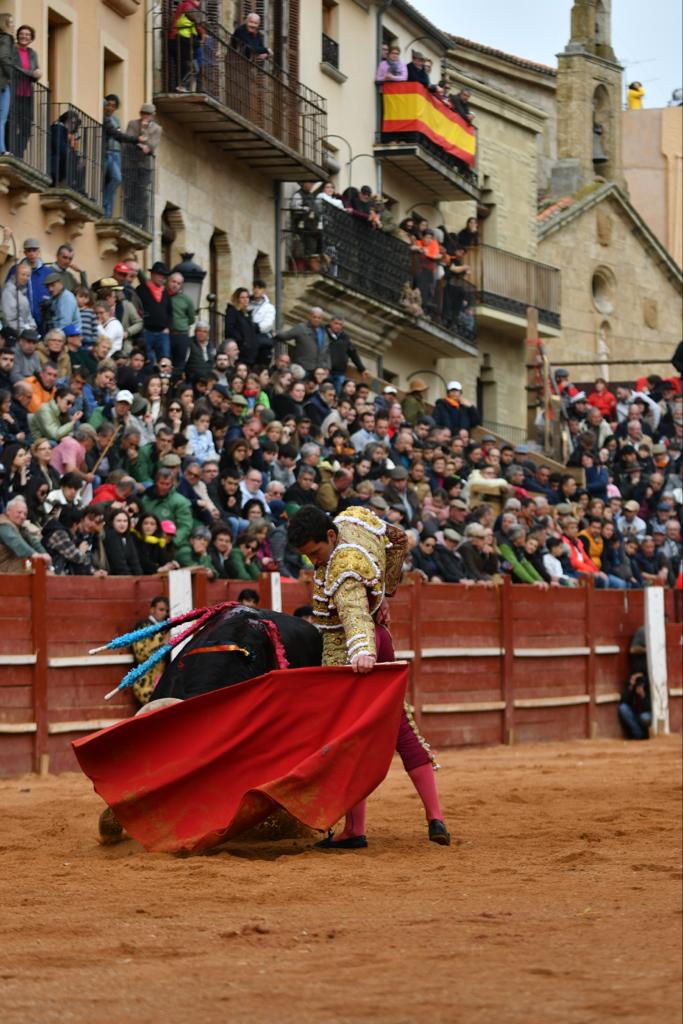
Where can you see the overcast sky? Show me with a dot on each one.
(646, 35)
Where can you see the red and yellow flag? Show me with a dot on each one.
(410, 108)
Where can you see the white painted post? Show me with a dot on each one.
(275, 592)
(179, 598)
(655, 643)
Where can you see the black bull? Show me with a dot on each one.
(208, 663)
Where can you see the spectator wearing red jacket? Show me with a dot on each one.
(603, 399)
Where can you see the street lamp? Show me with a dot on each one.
(193, 276)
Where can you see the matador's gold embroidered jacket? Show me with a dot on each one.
(365, 565)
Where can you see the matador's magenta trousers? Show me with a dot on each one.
(416, 760)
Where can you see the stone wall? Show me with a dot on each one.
(640, 306)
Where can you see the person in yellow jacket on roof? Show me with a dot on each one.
(634, 96)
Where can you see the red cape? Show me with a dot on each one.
(314, 741)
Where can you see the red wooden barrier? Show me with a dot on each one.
(487, 665)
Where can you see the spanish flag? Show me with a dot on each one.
(410, 108)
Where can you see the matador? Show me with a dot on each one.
(358, 561)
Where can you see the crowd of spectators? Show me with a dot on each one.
(134, 442)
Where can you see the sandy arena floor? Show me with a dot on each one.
(560, 902)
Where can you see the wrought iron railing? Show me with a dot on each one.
(347, 248)
(26, 131)
(511, 283)
(76, 151)
(330, 51)
(136, 195)
(257, 90)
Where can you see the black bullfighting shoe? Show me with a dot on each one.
(350, 843)
(438, 833)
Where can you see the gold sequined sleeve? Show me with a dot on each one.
(395, 556)
(351, 601)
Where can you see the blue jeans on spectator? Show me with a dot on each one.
(157, 345)
(112, 180)
(5, 97)
(636, 726)
(338, 381)
(612, 582)
(180, 344)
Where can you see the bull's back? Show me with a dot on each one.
(236, 646)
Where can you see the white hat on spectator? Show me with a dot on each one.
(475, 530)
(454, 385)
(124, 396)
(390, 390)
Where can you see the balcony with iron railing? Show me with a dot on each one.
(25, 167)
(427, 142)
(76, 167)
(507, 284)
(249, 108)
(58, 151)
(354, 257)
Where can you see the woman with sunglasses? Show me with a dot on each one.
(54, 420)
(176, 416)
(242, 564)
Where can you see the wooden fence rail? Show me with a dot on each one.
(487, 666)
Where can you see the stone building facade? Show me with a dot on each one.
(86, 48)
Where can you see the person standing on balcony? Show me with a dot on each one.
(461, 105)
(112, 152)
(248, 40)
(469, 235)
(28, 73)
(8, 62)
(183, 34)
(156, 303)
(416, 70)
(391, 68)
(138, 165)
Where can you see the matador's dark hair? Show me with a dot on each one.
(309, 523)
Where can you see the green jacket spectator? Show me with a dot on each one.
(53, 420)
(163, 501)
(522, 569)
(16, 542)
(240, 565)
(184, 313)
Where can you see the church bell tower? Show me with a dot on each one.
(588, 102)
